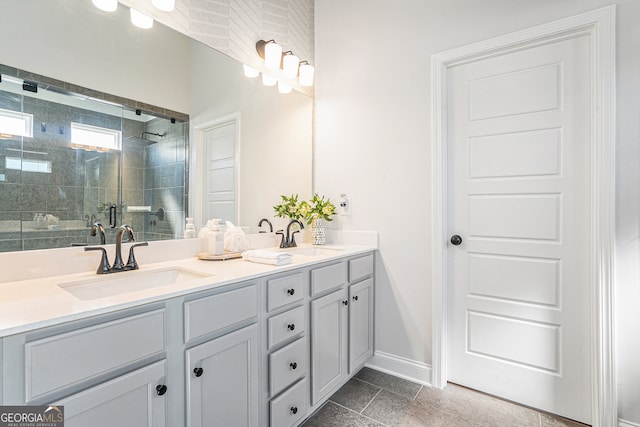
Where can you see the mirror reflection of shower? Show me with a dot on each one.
(68, 158)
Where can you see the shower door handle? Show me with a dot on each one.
(113, 216)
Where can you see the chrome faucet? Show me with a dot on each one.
(262, 221)
(290, 239)
(118, 263)
(97, 227)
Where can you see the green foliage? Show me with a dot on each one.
(316, 208)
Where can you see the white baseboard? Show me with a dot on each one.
(401, 367)
(625, 423)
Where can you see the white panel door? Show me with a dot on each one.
(221, 172)
(518, 185)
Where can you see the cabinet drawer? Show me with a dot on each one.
(360, 268)
(210, 314)
(291, 406)
(287, 365)
(285, 325)
(284, 290)
(325, 278)
(62, 360)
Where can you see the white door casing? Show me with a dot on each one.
(597, 28)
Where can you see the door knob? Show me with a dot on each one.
(161, 389)
(456, 240)
(198, 372)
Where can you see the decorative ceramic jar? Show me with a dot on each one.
(318, 234)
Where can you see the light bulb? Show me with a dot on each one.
(106, 5)
(164, 5)
(141, 20)
(250, 71)
(290, 66)
(283, 87)
(272, 55)
(306, 74)
(268, 80)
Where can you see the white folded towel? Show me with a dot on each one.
(265, 256)
(281, 261)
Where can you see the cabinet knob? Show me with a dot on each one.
(291, 291)
(293, 365)
(161, 389)
(345, 302)
(291, 326)
(355, 298)
(294, 410)
(198, 372)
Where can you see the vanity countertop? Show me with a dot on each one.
(37, 303)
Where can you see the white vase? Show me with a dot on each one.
(318, 234)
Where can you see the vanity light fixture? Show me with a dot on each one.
(250, 71)
(106, 5)
(272, 55)
(268, 80)
(306, 73)
(288, 62)
(164, 5)
(290, 65)
(140, 20)
(283, 87)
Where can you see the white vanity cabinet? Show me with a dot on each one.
(111, 369)
(222, 384)
(263, 351)
(222, 373)
(286, 349)
(131, 400)
(341, 322)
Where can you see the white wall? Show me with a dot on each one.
(73, 41)
(275, 131)
(372, 141)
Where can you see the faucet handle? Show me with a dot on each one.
(103, 268)
(132, 264)
(283, 243)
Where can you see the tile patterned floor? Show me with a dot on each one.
(376, 399)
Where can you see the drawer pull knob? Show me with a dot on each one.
(294, 410)
(355, 298)
(198, 372)
(291, 291)
(345, 302)
(293, 365)
(161, 389)
(291, 326)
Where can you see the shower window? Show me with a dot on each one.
(15, 123)
(94, 138)
(27, 165)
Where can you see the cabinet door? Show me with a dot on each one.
(131, 400)
(360, 323)
(328, 342)
(222, 381)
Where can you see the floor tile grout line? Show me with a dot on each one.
(362, 415)
(391, 391)
(418, 392)
(372, 399)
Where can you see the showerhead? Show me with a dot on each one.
(161, 135)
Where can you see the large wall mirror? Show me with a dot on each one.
(243, 146)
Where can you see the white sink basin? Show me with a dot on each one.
(312, 250)
(128, 281)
